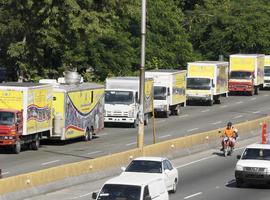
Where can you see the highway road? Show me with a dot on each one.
(203, 176)
(193, 119)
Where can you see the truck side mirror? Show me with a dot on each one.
(168, 91)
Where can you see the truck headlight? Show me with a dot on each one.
(239, 168)
(131, 113)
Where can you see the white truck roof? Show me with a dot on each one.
(246, 55)
(78, 87)
(208, 63)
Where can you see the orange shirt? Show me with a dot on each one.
(228, 132)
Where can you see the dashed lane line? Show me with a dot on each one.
(50, 162)
(193, 195)
(164, 136)
(193, 129)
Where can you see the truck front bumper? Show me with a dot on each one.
(199, 98)
(252, 177)
(119, 119)
(7, 142)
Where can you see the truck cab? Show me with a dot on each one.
(266, 83)
(11, 128)
(161, 99)
(242, 81)
(121, 106)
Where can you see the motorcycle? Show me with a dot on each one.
(228, 147)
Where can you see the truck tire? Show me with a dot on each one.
(146, 120)
(35, 144)
(17, 147)
(166, 114)
(256, 91)
(135, 123)
(177, 111)
(88, 136)
(210, 102)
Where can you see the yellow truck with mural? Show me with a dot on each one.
(77, 110)
(25, 114)
(246, 73)
(122, 100)
(266, 80)
(207, 81)
(169, 90)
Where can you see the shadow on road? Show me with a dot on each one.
(232, 184)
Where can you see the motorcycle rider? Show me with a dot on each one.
(229, 135)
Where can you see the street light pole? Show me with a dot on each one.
(140, 139)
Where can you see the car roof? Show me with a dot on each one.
(134, 179)
(145, 158)
(259, 146)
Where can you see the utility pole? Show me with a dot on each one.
(140, 139)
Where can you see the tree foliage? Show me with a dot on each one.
(101, 38)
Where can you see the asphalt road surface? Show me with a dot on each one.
(193, 119)
(203, 176)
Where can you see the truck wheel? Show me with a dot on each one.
(256, 92)
(210, 102)
(17, 147)
(35, 144)
(135, 123)
(88, 135)
(177, 111)
(239, 183)
(146, 120)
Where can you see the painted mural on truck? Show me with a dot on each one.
(149, 95)
(84, 109)
(179, 88)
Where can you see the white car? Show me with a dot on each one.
(253, 165)
(156, 165)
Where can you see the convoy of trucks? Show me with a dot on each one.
(122, 100)
(266, 80)
(32, 111)
(207, 81)
(246, 73)
(69, 108)
(169, 91)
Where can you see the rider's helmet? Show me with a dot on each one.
(229, 124)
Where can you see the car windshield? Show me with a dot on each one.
(119, 97)
(241, 75)
(119, 192)
(159, 93)
(6, 118)
(144, 166)
(199, 83)
(267, 71)
(256, 154)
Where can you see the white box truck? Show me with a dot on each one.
(246, 73)
(207, 81)
(266, 83)
(169, 90)
(122, 100)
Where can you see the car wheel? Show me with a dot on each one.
(174, 187)
(239, 183)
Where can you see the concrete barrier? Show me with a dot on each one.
(168, 148)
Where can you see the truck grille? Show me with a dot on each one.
(258, 170)
(117, 114)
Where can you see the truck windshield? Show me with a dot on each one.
(256, 154)
(7, 118)
(119, 97)
(241, 75)
(159, 93)
(267, 71)
(199, 83)
(117, 192)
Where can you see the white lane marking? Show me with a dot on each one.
(202, 159)
(266, 95)
(217, 122)
(205, 110)
(193, 129)
(239, 102)
(182, 116)
(50, 162)
(84, 195)
(252, 99)
(102, 134)
(132, 143)
(161, 121)
(164, 136)
(238, 116)
(256, 112)
(224, 106)
(193, 195)
(5, 173)
(94, 152)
